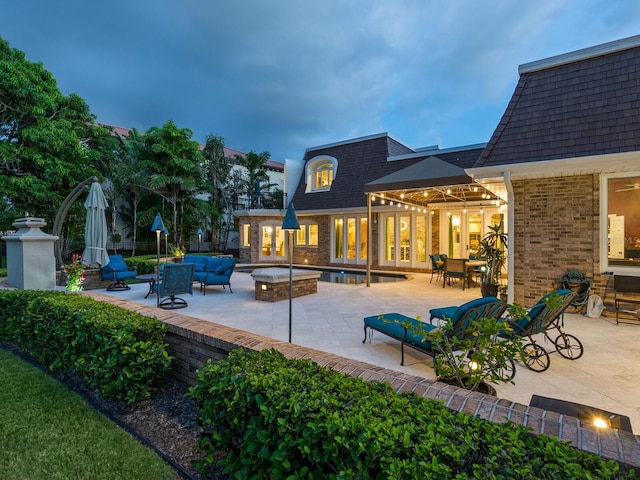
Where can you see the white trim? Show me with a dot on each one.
(578, 55)
(604, 217)
(609, 163)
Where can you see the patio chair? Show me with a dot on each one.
(177, 279)
(542, 319)
(579, 283)
(455, 268)
(117, 271)
(437, 267)
(413, 332)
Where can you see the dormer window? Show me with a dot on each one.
(320, 174)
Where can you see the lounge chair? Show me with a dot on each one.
(177, 279)
(412, 332)
(542, 319)
(117, 271)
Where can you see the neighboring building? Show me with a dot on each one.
(564, 158)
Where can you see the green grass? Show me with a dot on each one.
(48, 431)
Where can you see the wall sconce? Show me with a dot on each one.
(263, 286)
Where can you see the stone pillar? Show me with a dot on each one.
(31, 263)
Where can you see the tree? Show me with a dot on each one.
(217, 169)
(173, 162)
(128, 181)
(49, 142)
(257, 176)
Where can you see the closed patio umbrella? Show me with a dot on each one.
(95, 233)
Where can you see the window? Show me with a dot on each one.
(307, 235)
(320, 173)
(621, 212)
(246, 235)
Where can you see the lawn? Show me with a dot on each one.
(48, 431)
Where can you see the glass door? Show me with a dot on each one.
(272, 242)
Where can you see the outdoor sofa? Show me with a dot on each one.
(212, 270)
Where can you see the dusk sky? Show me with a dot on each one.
(285, 75)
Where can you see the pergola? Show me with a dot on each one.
(428, 184)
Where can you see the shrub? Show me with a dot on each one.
(279, 418)
(120, 352)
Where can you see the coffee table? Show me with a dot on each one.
(149, 278)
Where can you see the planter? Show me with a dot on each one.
(482, 387)
(489, 290)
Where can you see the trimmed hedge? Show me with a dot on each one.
(293, 419)
(122, 353)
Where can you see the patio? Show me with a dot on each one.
(332, 321)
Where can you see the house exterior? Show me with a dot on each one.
(567, 152)
(562, 171)
(409, 203)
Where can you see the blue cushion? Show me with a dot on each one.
(220, 270)
(443, 312)
(200, 267)
(213, 263)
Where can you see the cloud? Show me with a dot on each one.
(287, 75)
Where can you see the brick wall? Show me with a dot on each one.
(193, 341)
(556, 229)
(274, 292)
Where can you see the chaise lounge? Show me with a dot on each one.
(413, 332)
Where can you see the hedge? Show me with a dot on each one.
(122, 353)
(292, 419)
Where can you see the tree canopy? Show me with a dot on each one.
(49, 142)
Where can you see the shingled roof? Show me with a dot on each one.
(578, 104)
(364, 160)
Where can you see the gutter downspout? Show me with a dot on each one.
(510, 226)
(369, 246)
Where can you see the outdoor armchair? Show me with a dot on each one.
(177, 279)
(118, 271)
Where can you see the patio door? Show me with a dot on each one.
(404, 240)
(272, 242)
(349, 240)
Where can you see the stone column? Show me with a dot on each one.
(31, 263)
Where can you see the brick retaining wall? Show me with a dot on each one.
(192, 341)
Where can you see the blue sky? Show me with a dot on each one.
(285, 75)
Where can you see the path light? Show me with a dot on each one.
(199, 238)
(166, 241)
(290, 224)
(158, 227)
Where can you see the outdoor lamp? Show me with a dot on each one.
(158, 227)
(290, 224)
(166, 241)
(199, 238)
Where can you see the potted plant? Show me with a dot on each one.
(503, 292)
(492, 249)
(178, 252)
(481, 358)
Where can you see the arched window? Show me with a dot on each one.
(320, 174)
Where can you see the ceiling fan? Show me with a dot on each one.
(632, 186)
